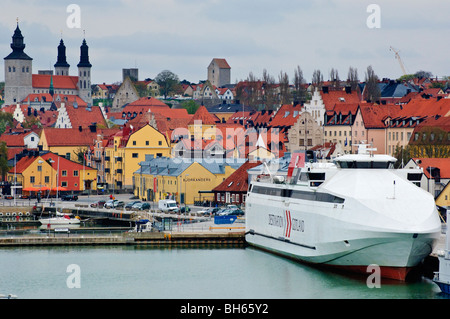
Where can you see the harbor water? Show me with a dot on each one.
(144, 272)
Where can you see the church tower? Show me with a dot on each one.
(61, 65)
(18, 71)
(84, 74)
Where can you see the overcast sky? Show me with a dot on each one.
(252, 35)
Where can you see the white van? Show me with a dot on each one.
(168, 206)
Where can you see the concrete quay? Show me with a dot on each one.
(167, 238)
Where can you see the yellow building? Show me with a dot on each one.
(48, 171)
(33, 173)
(126, 149)
(67, 142)
(443, 199)
(175, 178)
(203, 125)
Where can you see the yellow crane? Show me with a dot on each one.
(397, 56)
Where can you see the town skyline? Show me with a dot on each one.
(331, 35)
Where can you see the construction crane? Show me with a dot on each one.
(397, 56)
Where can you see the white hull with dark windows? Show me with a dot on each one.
(352, 213)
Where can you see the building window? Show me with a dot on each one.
(159, 142)
(32, 179)
(47, 179)
(63, 184)
(134, 142)
(63, 173)
(39, 168)
(147, 143)
(75, 173)
(135, 155)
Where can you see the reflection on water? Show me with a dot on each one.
(187, 273)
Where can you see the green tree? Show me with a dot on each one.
(168, 82)
(190, 106)
(6, 119)
(3, 159)
(300, 93)
(372, 91)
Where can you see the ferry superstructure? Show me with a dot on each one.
(352, 213)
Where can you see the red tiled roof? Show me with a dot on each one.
(425, 107)
(334, 97)
(374, 115)
(442, 163)
(286, 115)
(22, 164)
(64, 164)
(48, 118)
(147, 102)
(238, 181)
(81, 116)
(222, 63)
(59, 81)
(204, 116)
(13, 140)
(68, 99)
(13, 151)
(68, 137)
(442, 122)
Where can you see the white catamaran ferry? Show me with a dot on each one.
(352, 213)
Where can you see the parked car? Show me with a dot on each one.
(129, 205)
(231, 211)
(185, 209)
(209, 211)
(114, 203)
(99, 204)
(141, 206)
(69, 197)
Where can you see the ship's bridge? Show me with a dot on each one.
(365, 159)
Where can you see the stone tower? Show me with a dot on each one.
(18, 71)
(61, 65)
(84, 74)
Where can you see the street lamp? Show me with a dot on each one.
(185, 192)
(40, 182)
(51, 181)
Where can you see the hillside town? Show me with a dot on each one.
(194, 142)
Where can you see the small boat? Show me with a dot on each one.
(142, 226)
(60, 219)
(442, 277)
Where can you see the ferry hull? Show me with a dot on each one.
(393, 258)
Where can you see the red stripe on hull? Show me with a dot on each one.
(396, 273)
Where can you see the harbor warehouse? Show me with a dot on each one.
(180, 179)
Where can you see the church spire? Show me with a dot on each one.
(17, 46)
(62, 59)
(84, 55)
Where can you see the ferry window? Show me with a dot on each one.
(317, 176)
(362, 164)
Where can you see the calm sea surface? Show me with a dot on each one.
(183, 273)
